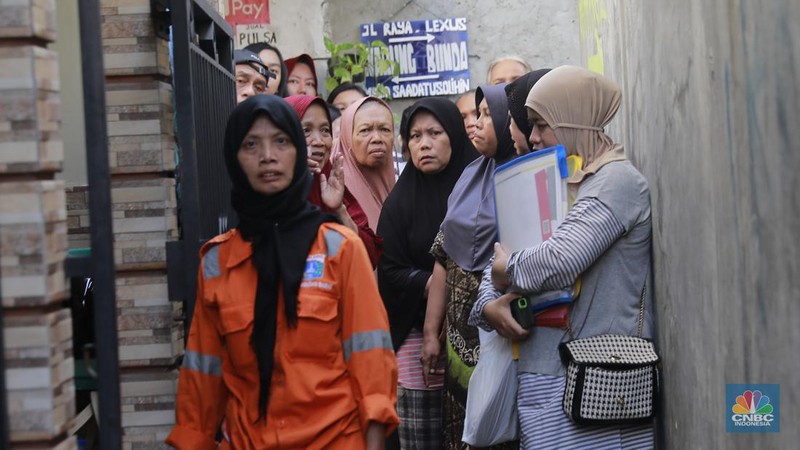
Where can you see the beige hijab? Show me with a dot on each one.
(369, 186)
(577, 104)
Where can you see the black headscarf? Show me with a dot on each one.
(281, 227)
(257, 48)
(410, 219)
(517, 92)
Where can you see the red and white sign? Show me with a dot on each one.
(247, 12)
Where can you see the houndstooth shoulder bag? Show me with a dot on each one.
(611, 378)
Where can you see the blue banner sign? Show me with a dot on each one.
(432, 55)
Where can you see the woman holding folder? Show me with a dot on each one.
(604, 239)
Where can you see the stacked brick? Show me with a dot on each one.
(37, 330)
(139, 111)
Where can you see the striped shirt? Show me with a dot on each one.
(588, 230)
(409, 366)
(543, 424)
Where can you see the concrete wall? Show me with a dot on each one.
(541, 32)
(72, 124)
(546, 28)
(297, 26)
(711, 107)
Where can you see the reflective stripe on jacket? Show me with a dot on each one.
(334, 373)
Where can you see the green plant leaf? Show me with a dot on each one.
(357, 70)
(378, 44)
(331, 84)
(381, 91)
(384, 65)
(346, 46)
(396, 71)
(329, 45)
(341, 73)
(362, 53)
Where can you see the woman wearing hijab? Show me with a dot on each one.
(366, 137)
(604, 239)
(517, 92)
(328, 191)
(301, 78)
(274, 61)
(410, 219)
(462, 250)
(289, 342)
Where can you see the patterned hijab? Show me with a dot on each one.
(469, 227)
(369, 186)
(578, 104)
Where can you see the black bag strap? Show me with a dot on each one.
(641, 304)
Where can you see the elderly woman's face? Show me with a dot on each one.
(542, 136)
(267, 156)
(373, 133)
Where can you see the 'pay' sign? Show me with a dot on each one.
(248, 11)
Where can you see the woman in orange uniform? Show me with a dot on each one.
(289, 343)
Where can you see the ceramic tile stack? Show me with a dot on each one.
(142, 157)
(37, 331)
(143, 213)
(140, 124)
(150, 334)
(130, 44)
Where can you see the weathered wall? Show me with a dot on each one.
(72, 125)
(711, 106)
(298, 26)
(542, 32)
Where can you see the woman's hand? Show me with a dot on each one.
(431, 357)
(314, 166)
(499, 276)
(332, 189)
(498, 314)
(434, 326)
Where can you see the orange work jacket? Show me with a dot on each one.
(334, 373)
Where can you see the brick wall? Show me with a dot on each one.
(33, 233)
(142, 159)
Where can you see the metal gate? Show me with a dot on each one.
(205, 94)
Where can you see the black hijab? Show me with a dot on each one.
(410, 219)
(517, 92)
(281, 227)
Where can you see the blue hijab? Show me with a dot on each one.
(470, 229)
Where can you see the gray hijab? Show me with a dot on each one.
(469, 227)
